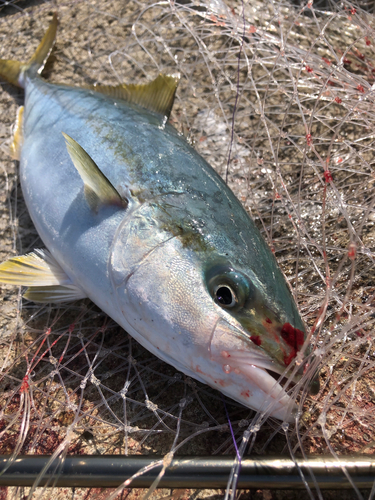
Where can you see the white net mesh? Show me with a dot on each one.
(279, 99)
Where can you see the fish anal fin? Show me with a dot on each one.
(98, 189)
(54, 294)
(37, 268)
(16, 146)
(157, 95)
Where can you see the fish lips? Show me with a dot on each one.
(252, 372)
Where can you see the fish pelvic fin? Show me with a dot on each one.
(157, 95)
(55, 294)
(98, 189)
(13, 71)
(37, 268)
(46, 280)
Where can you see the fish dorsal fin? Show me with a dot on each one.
(98, 190)
(37, 268)
(46, 280)
(157, 95)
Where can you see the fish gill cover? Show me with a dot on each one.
(279, 98)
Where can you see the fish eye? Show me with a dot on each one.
(230, 289)
(225, 296)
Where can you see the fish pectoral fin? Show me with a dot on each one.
(56, 294)
(37, 268)
(16, 146)
(157, 95)
(98, 189)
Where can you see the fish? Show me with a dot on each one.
(133, 218)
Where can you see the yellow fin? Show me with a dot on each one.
(45, 47)
(56, 294)
(16, 146)
(13, 71)
(98, 189)
(37, 268)
(157, 95)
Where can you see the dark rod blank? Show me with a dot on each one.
(109, 471)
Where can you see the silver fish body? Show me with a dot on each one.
(180, 266)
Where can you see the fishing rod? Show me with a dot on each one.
(110, 471)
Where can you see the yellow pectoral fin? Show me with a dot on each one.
(16, 146)
(98, 189)
(157, 95)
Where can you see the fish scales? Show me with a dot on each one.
(170, 254)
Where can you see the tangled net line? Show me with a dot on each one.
(279, 99)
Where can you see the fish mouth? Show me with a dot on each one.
(256, 378)
(265, 391)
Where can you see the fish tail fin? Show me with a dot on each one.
(13, 71)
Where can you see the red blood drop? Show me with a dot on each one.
(294, 338)
(268, 321)
(289, 359)
(256, 340)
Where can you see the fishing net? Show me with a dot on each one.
(279, 98)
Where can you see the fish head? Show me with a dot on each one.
(268, 321)
(206, 313)
(257, 335)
